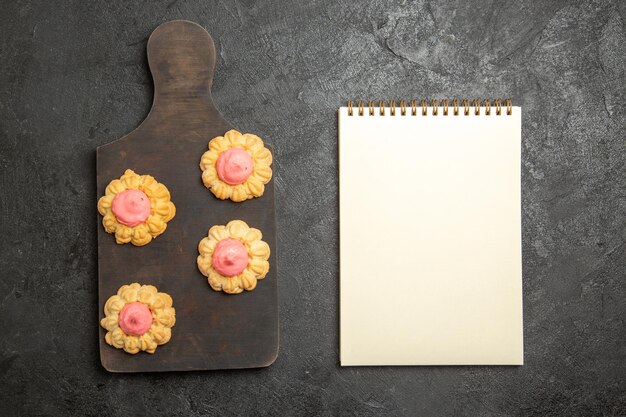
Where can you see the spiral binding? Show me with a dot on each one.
(434, 105)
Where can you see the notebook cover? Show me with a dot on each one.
(430, 239)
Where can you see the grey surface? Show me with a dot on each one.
(73, 75)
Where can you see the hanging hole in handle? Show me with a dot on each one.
(392, 107)
(435, 105)
(424, 108)
(498, 106)
(509, 106)
(371, 106)
(476, 104)
(381, 107)
(413, 108)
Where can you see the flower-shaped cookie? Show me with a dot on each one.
(136, 208)
(233, 257)
(236, 166)
(138, 318)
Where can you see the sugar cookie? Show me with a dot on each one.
(233, 257)
(136, 208)
(138, 318)
(236, 166)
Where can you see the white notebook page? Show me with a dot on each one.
(430, 239)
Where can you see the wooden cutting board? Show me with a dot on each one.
(213, 330)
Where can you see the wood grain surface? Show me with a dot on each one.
(213, 330)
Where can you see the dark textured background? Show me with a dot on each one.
(73, 75)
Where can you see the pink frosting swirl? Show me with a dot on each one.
(131, 207)
(135, 319)
(230, 257)
(234, 166)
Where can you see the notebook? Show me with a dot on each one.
(430, 234)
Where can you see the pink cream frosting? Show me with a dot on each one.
(135, 319)
(131, 207)
(230, 257)
(234, 166)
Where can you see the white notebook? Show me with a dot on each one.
(430, 235)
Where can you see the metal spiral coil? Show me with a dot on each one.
(435, 105)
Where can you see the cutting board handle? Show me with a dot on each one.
(181, 55)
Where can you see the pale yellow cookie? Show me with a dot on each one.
(138, 318)
(233, 257)
(136, 208)
(236, 166)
